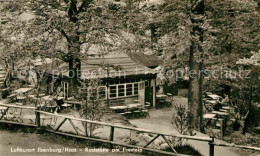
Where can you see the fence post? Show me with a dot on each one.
(211, 147)
(38, 118)
(111, 136)
(245, 123)
(222, 128)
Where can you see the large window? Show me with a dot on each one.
(129, 89)
(102, 92)
(98, 93)
(65, 89)
(92, 93)
(136, 89)
(113, 91)
(122, 90)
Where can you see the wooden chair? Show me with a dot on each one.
(169, 94)
(128, 114)
(147, 105)
(146, 113)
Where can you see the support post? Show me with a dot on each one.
(111, 136)
(211, 147)
(153, 84)
(222, 128)
(38, 118)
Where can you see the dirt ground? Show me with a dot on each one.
(160, 121)
(10, 141)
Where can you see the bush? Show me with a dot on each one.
(185, 149)
(236, 125)
(5, 93)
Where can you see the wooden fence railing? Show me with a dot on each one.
(40, 115)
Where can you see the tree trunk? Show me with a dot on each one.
(196, 67)
(74, 73)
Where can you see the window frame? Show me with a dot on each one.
(134, 87)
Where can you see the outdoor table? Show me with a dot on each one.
(160, 100)
(227, 107)
(214, 96)
(169, 94)
(223, 110)
(220, 113)
(135, 108)
(60, 98)
(134, 105)
(118, 107)
(71, 98)
(31, 96)
(22, 90)
(209, 116)
(47, 98)
(41, 95)
(76, 104)
(66, 105)
(161, 96)
(20, 98)
(211, 101)
(12, 95)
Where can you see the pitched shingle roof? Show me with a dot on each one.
(116, 64)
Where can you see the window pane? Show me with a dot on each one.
(102, 92)
(129, 89)
(121, 90)
(112, 91)
(136, 89)
(92, 93)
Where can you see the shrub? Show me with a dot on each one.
(185, 149)
(236, 125)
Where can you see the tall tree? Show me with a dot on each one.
(205, 35)
(196, 64)
(64, 28)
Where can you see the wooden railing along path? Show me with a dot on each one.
(110, 140)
